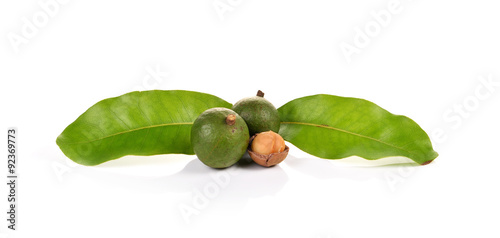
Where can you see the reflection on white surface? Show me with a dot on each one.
(331, 169)
(194, 174)
(199, 187)
(167, 173)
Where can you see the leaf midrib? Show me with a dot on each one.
(131, 130)
(345, 131)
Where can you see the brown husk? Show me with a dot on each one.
(267, 160)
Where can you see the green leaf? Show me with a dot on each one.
(137, 123)
(334, 127)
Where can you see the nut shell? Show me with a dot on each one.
(267, 160)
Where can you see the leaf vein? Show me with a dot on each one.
(344, 131)
(131, 130)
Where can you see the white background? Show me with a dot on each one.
(425, 62)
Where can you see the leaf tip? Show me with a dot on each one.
(431, 160)
(427, 162)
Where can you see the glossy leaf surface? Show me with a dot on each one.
(136, 123)
(334, 127)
